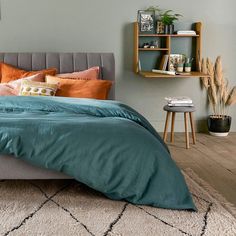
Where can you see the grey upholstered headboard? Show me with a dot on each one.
(64, 62)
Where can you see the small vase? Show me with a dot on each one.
(180, 67)
(187, 67)
(171, 29)
(166, 29)
(219, 126)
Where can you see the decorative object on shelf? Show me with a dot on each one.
(176, 59)
(188, 67)
(186, 32)
(154, 44)
(145, 45)
(171, 29)
(168, 19)
(188, 64)
(166, 29)
(146, 19)
(160, 27)
(180, 67)
(219, 97)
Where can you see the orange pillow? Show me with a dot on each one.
(10, 73)
(91, 73)
(97, 89)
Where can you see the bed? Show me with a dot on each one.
(12, 168)
(104, 144)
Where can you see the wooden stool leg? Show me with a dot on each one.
(186, 129)
(172, 127)
(192, 127)
(166, 125)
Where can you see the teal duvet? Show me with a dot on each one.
(103, 144)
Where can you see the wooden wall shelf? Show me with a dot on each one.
(193, 74)
(167, 48)
(168, 35)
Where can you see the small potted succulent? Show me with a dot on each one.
(168, 19)
(220, 97)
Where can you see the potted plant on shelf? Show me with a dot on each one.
(220, 97)
(168, 19)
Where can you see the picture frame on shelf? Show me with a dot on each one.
(146, 20)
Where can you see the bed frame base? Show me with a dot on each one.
(13, 168)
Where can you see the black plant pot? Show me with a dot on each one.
(219, 126)
(171, 29)
(166, 29)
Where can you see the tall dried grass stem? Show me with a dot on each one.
(218, 72)
(213, 92)
(205, 80)
(232, 97)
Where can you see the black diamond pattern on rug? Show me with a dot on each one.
(83, 211)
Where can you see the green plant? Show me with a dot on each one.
(168, 18)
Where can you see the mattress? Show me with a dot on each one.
(13, 168)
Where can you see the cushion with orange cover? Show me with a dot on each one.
(10, 73)
(91, 73)
(97, 89)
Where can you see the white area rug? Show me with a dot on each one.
(65, 208)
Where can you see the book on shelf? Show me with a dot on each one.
(181, 99)
(165, 72)
(180, 104)
(164, 62)
(187, 32)
(183, 73)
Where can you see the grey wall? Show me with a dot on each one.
(105, 26)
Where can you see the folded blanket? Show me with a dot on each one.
(103, 144)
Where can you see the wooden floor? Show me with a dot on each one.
(212, 158)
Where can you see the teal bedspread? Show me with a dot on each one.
(103, 144)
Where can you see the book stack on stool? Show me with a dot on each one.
(180, 105)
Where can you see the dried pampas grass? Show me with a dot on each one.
(210, 71)
(232, 97)
(216, 85)
(225, 91)
(204, 80)
(218, 72)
